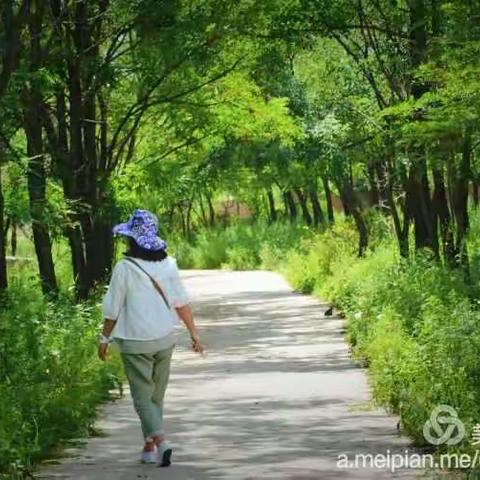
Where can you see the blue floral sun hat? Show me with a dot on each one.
(142, 226)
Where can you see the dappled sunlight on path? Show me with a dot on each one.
(276, 397)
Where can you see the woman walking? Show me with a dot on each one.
(141, 308)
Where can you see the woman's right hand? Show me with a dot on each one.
(197, 344)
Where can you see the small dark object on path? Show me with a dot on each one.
(329, 312)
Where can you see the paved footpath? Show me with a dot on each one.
(276, 397)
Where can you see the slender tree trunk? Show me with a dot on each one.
(426, 235)
(211, 210)
(318, 216)
(328, 199)
(3, 252)
(460, 202)
(36, 175)
(401, 231)
(73, 181)
(183, 222)
(36, 188)
(202, 211)
(421, 206)
(307, 218)
(290, 203)
(349, 199)
(285, 205)
(189, 218)
(374, 190)
(382, 172)
(442, 211)
(99, 247)
(13, 238)
(272, 211)
(387, 188)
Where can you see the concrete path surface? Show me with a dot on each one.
(276, 397)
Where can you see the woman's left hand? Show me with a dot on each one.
(102, 351)
(197, 344)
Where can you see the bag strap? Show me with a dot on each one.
(155, 284)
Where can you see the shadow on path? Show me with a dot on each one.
(277, 396)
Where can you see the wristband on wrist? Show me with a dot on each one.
(104, 339)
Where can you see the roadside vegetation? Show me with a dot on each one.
(335, 142)
(414, 324)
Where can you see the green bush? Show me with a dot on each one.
(240, 246)
(210, 250)
(50, 378)
(309, 264)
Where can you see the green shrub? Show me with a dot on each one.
(183, 252)
(210, 250)
(50, 378)
(241, 258)
(240, 246)
(309, 265)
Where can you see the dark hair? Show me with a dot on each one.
(136, 251)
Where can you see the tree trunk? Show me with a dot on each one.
(387, 188)
(318, 216)
(67, 165)
(374, 190)
(349, 199)
(272, 211)
(328, 199)
(211, 210)
(36, 174)
(383, 177)
(189, 218)
(442, 212)
(3, 252)
(13, 238)
(421, 206)
(426, 234)
(304, 207)
(418, 42)
(98, 240)
(460, 202)
(202, 211)
(290, 203)
(36, 178)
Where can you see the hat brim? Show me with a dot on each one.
(153, 243)
(122, 229)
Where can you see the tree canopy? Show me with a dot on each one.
(283, 106)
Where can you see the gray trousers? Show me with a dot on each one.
(147, 375)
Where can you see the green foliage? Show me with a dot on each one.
(210, 251)
(307, 267)
(183, 104)
(50, 378)
(239, 246)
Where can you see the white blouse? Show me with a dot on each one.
(139, 310)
